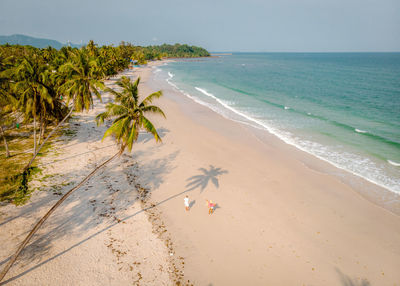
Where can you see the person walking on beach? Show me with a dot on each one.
(186, 202)
(211, 206)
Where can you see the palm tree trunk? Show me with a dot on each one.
(34, 135)
(5, 141)
(46, 216)
(40, 128)
(43, 129)
(51, 133)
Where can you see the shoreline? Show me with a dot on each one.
(275, 214)
(367, 189)
(291, 195)
(373, 191)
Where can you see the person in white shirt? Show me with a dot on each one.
(186, 201)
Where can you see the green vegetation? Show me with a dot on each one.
(10, 188)
(130, 114)
(130, 118)
(144, 54)
(13, 187)
(41, 88)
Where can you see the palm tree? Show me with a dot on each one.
(129, 113)
(57, 111)
(32, 77)
(92, 49)
(62, 56)
(80, 77)
(6, 100)
(112, 61)
(5, 110)
(49, 54)
(7, 106)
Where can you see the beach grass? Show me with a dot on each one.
(20, 144)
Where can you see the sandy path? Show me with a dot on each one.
(100, 235)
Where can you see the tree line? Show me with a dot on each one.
(43, 87)
(48, 85)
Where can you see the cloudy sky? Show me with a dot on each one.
(217, 25)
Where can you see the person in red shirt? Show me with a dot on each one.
(211, 206)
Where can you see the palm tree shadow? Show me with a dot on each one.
(347, 281)
(145, 137)
(65, 225)
(201, 181)
(89, 209)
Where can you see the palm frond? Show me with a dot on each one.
(114, 92)
(132, 138)
(148, 126)
(151, 97)
(115, 129)
(95, 91)
(153, 109)
(130, 114)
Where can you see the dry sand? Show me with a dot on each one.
(277, 221)
(100, 235)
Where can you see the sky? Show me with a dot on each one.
(217, 25)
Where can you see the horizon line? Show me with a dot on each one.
(300, 52)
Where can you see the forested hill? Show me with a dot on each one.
(144, 54)
(181, 51)
(24, 40)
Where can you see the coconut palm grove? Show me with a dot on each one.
(41, 88)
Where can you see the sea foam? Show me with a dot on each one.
(345, 161)
(349, 162)
(393, 163)
(360, 131)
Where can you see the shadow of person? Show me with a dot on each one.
(71, 225)
(191, 204)
(216, 206)
(201, 181)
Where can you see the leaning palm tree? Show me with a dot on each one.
(129, 113)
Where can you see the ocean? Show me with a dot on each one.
(343, 108)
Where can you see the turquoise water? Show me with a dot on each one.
(341, 107)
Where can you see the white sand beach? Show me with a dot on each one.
(277, 221)
(100, 235)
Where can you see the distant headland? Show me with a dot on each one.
(40, 43)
